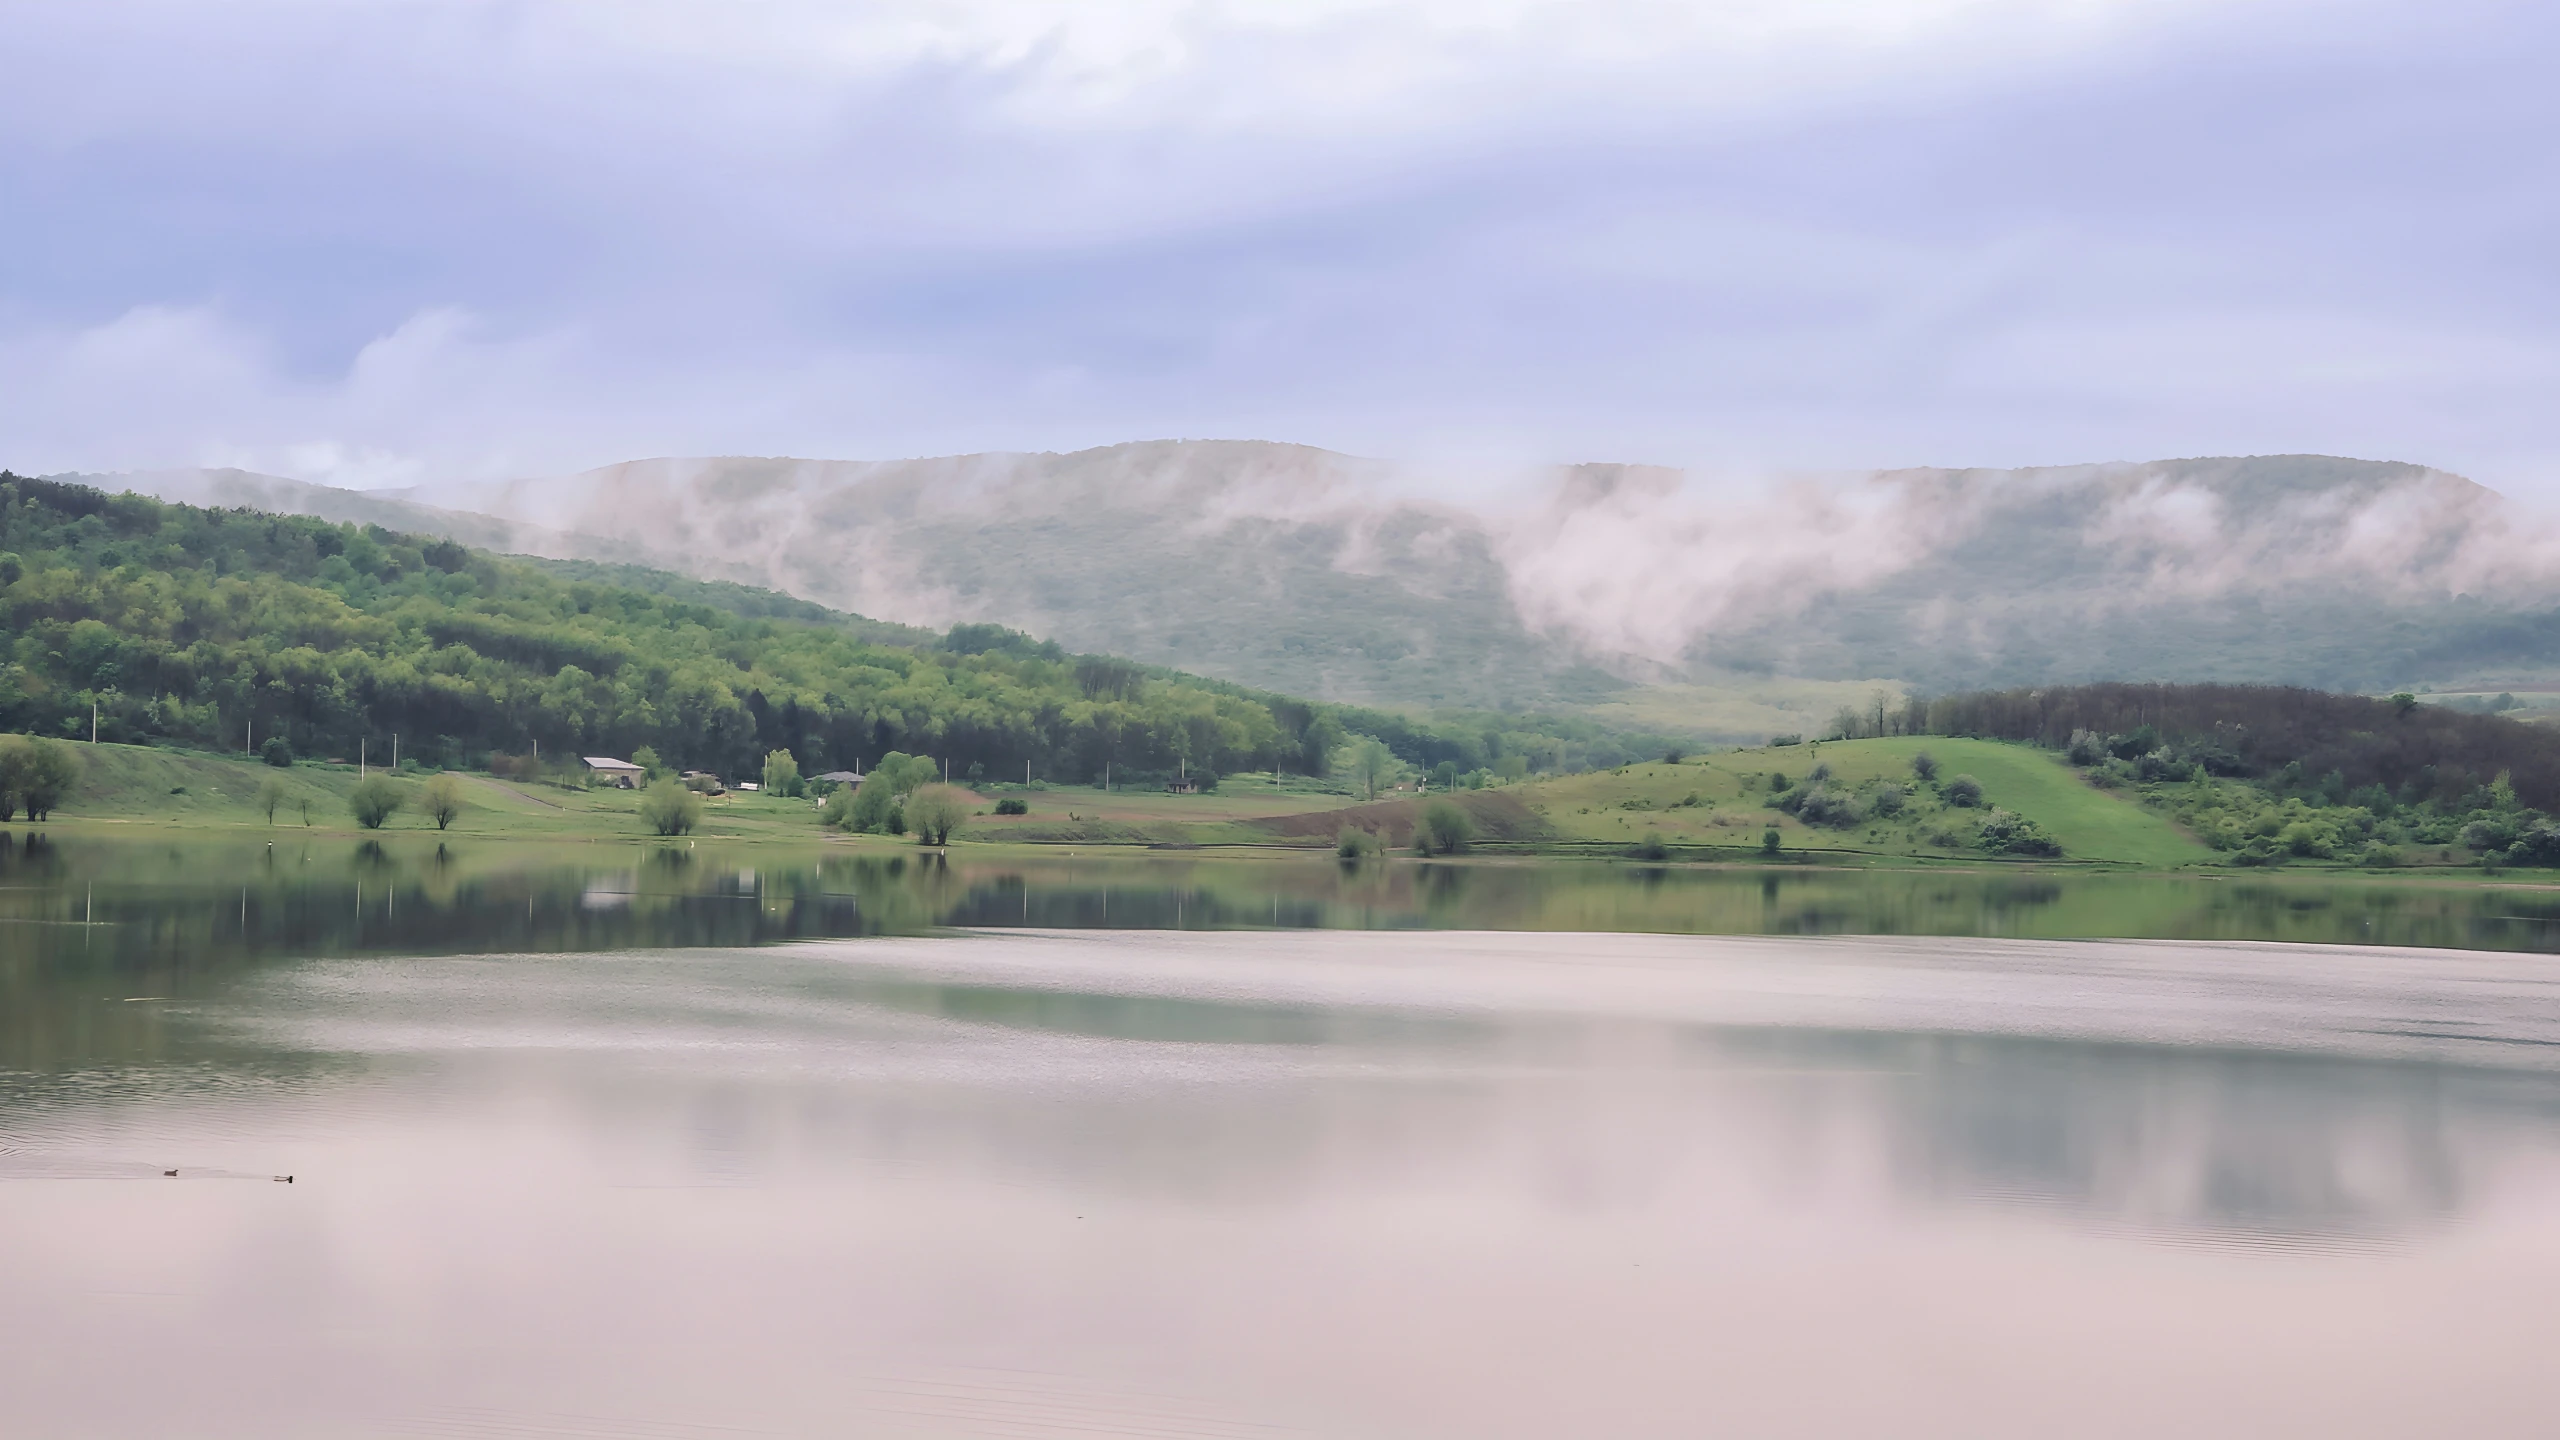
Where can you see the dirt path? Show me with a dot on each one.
(503, 790)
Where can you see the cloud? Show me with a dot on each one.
(440, 240)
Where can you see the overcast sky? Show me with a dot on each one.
(376, 243)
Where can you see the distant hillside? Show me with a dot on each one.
(178, 623)
(1595, 586)
(1273, 565)
(2340, 574)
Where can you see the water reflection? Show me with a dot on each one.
(1407, 1183)
(95, 900)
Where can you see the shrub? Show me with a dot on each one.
(2538, 846)
(1674, 755)
(35, 774)
(875, 800)
(903, 772)
(2142, 740)
(1351, 842)
(2487, 835)
(2154, 766)
(1924, 767)
(1445, 828)
(668, 808)
(375, 799)
(2309, 838)
(1010, 806)
(1777, 781)
(1651, 847)
(2260, 851)
(837, 813)
(1769, 841)
(1820, 804)
(2379, 856)
(781, 773)
(1887, 800)
(271, 798)
(2004, 833)
(647, 759)
(935, 811)
(442, 799)
(1786, 739)
(1964, 792)
(1821, 771)
(2087, 747)
(277, 752)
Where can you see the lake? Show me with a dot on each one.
(678, 1142)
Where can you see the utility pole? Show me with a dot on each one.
(93, 722)
(1026, 784)
(249, 739)
(359, 759)
(395, 752)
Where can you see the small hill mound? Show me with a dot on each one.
(1499, 817)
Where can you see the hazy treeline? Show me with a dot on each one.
(192, 625)
(2417, 752)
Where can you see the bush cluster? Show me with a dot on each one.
(2006, 833)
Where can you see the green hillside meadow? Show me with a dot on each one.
(1720, 800)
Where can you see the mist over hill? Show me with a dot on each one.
(1342, 578)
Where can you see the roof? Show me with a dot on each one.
(841, 777)
(607, 762)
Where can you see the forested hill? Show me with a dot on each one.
(188, 625)
(2343, 743)
(1324, 575)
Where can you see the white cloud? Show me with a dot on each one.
(449, 238)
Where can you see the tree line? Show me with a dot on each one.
(225, 628)
(2419, 754)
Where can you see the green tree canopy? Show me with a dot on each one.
(934, 811)
(668, 808)
(35, 774)
(375, 799)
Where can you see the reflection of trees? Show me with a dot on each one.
(2202, 1142)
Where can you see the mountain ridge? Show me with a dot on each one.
(1345, 578)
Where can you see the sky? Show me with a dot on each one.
(415, 241)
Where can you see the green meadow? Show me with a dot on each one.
(1712, 807)
(1720, 800)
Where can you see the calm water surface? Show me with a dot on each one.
(636, 1145)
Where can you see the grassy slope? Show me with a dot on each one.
(1622, 805)
(133, 786)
